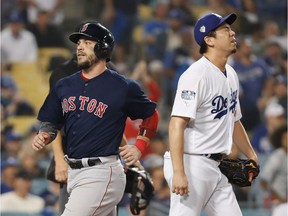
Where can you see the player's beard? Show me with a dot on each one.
(91, 60)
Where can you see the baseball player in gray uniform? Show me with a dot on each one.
(92, 106)
(205, 122)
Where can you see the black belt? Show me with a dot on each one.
(216, 157)
(77, 164)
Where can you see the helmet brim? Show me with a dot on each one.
(74, 37)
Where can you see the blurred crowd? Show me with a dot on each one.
(154, 45)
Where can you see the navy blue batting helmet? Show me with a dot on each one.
(93, 30)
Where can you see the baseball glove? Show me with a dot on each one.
(237, 170)
(140, 187)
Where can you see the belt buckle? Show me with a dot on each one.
(73, 165)
(94, 162)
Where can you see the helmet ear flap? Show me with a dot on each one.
(102, 50)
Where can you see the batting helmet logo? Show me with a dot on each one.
(84, 28)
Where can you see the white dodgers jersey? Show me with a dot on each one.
(211, 100)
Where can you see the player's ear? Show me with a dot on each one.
(209, 41)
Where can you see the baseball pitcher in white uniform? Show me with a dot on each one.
(205, 122)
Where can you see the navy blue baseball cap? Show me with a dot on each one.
(177, 14)
(210, 22)
(16, 17)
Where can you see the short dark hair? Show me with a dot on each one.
(276, 136)
(23, 174)
(204, 47)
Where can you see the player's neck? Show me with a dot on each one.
(94, 71)
(218, 60)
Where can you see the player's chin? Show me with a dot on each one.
(233, 50)
(84, 64)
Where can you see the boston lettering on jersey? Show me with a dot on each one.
(90, 105)
(220, 105)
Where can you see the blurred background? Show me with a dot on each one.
(154, 45)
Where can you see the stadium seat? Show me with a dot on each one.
(33, 85)
(22, 124)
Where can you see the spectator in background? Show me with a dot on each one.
(158, 144)
(220, 7)
(18, 44)
(53, 7)
(160, 202)
(8, 172)
(121, 19)
(280, 92)
(275, 114)
(274, 57)
(20, 200)
(51, 198)
(273, 117)
(273, 32)
(154, 32)
(11, 99)
(274, 173)
(179, 43)
(11, 147)
(256, 81)
(273, 10)
(257, 39)
(47, 35)
(248, 16)
(29, 163)
(142, 74)
(186, 7)
(8, 6)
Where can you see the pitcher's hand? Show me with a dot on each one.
(180, 184)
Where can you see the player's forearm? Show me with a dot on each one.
(147, 131)
(123, 141)
(50, 130)
(240, 138)
(176, 144)
(57, 147)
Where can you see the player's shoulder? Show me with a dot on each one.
(120, 77)
(116, 75)
(69, 79)
(197, 69)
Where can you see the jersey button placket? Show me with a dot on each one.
(86, 84)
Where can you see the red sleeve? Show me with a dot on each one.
(148, 129)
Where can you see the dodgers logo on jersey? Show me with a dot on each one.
(220, 105)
